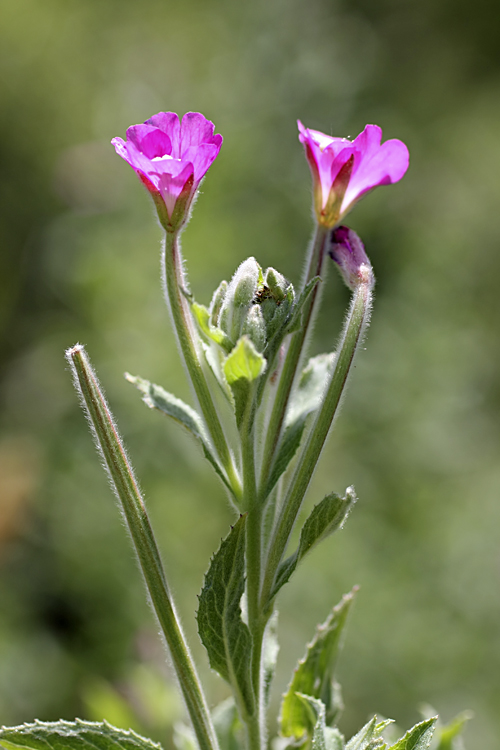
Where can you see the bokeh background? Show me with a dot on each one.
(419, 432)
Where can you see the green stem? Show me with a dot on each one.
(314, 268)
(174, 283)
(352, 334)
(256, 724)
(132, 504)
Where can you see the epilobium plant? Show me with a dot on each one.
(250, 345)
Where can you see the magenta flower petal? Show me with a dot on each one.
(372, 164)
(171, 157)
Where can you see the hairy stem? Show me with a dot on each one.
(174, 284)
(352, 334)
(132, 504)
(314, 267)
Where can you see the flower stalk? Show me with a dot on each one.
(133, 507)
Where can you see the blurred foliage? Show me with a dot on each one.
(419, 432)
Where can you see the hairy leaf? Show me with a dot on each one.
(73, 735)
(323, 737)
(202, 316)
(296, 317)
(244, 365)
(270, 653)
(311, 387)
(227, 725)
(287, 450)
(313, 675)
(449, 735)
(418, 738)
(369, 737)
(325, 518)
(225, 636)
(158, 398)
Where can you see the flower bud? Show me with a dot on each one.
(239, 296)
(255, 328)
(276, 283)
(348, 252)
(216, 303)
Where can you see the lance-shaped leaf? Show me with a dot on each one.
(227, 725)
(305, 400)
(369, 737)
(296, 318)
(325, 518)
(323, 737)
(72, 735)
(244, 365)
(313, 675)
(417, 738)
(225, 636)
(449, 735)
(158, 398)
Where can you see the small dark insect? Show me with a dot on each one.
(264, 293)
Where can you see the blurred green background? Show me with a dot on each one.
(419, 432)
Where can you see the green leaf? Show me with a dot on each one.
(158, 398)
(287, 450)
(323, 737)
(202, 316)
(418, 738)
(368, 738)
(227, 725)
(313, 675)
(449, 734)
(325, 518)
(222, 631)
(270, 653)
(73, 735)
(311, 387)
(241, 368)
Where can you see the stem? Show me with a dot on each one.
(132, 504)
(256, 724)
(174, 282)
(313, 268)
(353, 331)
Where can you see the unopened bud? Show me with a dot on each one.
(239, 296)
(276, 283)
(216, 303)
(347, 250)
(255, 328)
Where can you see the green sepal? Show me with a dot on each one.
(313, 675)
(369, 737)
(295, 321)
(323, 737)
(158, 398)
(222, 631)
(72, 735)
(202, 316)
(417, 738)
(243, 365)
(325, 518)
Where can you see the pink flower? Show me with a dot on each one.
(343, 170)
(171, 158)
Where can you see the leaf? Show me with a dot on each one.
(313, 675)
(325, 518)
(227, 725)
(73, 735)
(305, 400)
(241, 368)
(369, 737)
(158, 398)
(311, 387)
(418, 738)
(450, 732)
(323, 737)
(270, 653)
(222, 631)
(202, 316)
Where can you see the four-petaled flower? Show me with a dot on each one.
(345, 170)
(171, 158)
